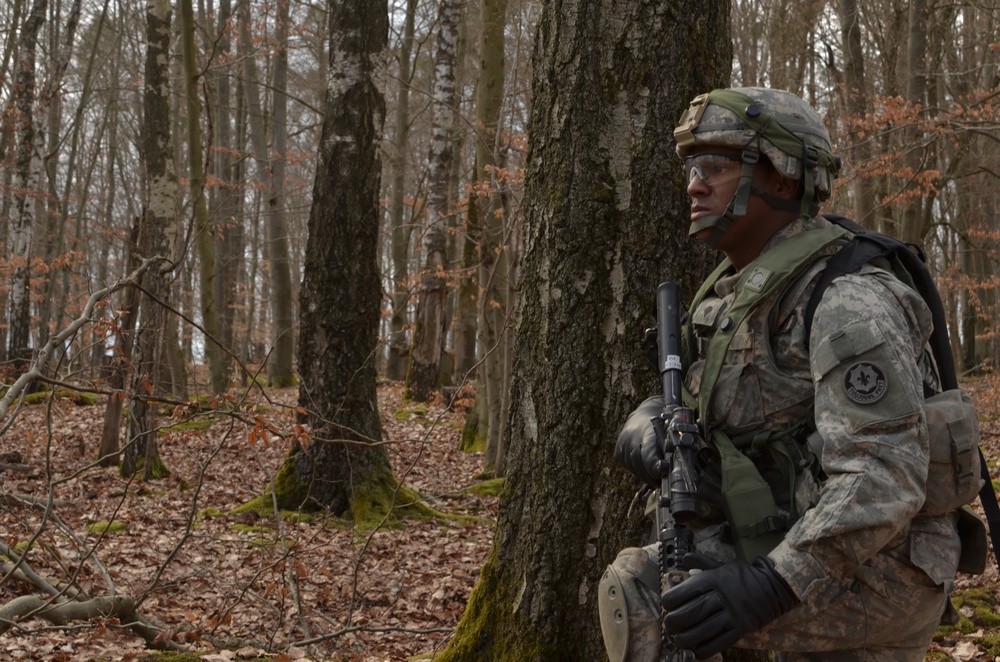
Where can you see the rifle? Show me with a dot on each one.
(677, 434)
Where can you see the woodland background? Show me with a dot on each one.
(274, 218)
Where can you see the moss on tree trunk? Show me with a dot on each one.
(486, 632)
(377, 498)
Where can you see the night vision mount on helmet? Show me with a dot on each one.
(775, 123)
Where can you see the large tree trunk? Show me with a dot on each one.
(341, 291)
(423, 377)
(605, 222)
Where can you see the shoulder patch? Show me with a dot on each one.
(865, 382)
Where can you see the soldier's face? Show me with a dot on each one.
(714, 176)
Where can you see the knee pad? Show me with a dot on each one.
(628, 602)
(613, 610)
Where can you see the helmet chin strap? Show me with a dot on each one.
(737, 206)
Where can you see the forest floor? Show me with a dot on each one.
(316, 589)
(234, 587)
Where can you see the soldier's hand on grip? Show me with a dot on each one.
(712, 610)
(638, 449)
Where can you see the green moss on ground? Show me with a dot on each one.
(977, 608)
(415, 412)
(489, 487)
(106, 528)
(78, 398)
(160, 469)
(473, 440)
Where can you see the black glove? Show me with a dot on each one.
(637, 449)
(712, 610)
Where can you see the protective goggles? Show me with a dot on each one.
(711, 167)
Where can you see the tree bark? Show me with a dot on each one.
(54, 239)
(494, 257)
(28, 165)
(343, 467)
(423, 377)
(605, 222)
(279, 367)
(156, 236)
(121, 358)
(856, 105)
(203, 232)
(224, 198)
(395, 367)
(913, 227)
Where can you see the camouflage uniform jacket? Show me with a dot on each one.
(861, 379)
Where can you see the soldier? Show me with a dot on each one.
(841, 560)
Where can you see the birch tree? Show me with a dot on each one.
(155, 237)
(423, 376)
(28, 166)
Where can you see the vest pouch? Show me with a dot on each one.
(953, 477)
(752, 515)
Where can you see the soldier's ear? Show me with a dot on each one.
(785, 187)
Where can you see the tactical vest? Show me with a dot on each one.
(755, 521)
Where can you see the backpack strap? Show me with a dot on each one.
(868, 245)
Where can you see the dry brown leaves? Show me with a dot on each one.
(239, 586)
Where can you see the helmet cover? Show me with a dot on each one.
(776, 123)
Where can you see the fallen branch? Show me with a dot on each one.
(63, 613)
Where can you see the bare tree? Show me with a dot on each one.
(344, 466)
(400, 233)
(279, 369)
(156, 237)
(856, 107)
(494, 256)
(423, 376)
(28, 171)
(203, 232)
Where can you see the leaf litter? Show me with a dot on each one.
(238, 586)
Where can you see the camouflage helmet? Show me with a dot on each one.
(778, 124)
